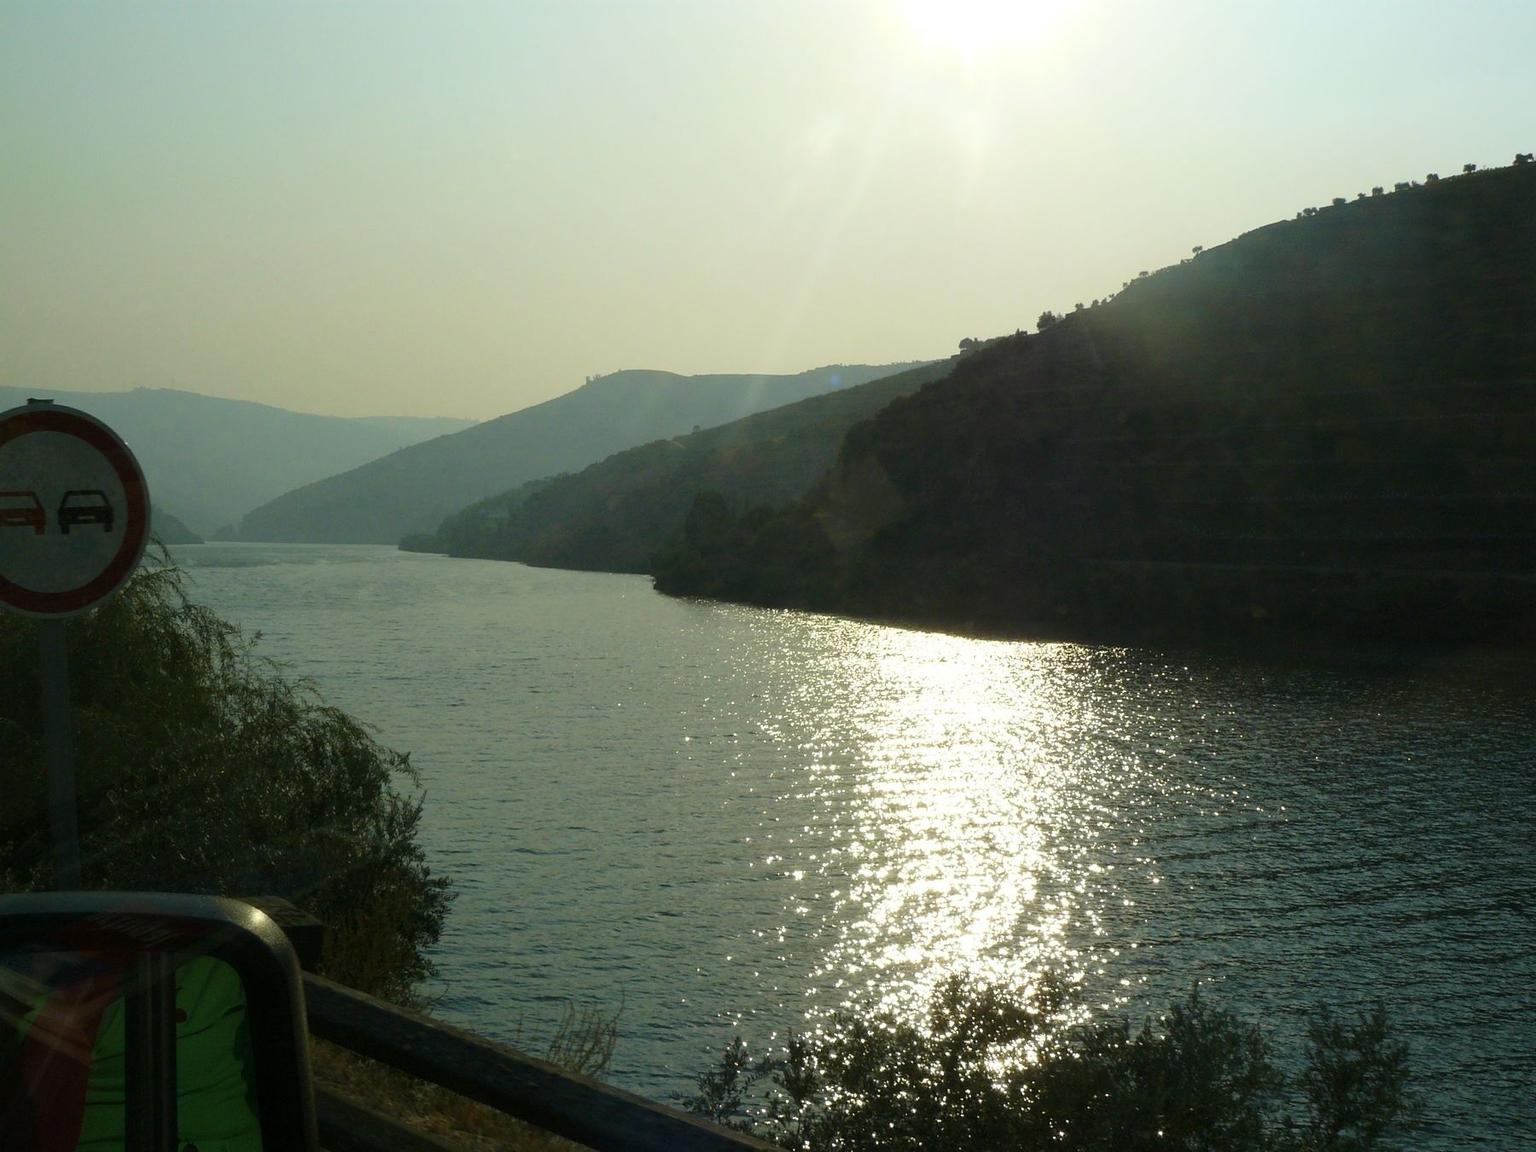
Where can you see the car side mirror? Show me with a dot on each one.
(150, 1023)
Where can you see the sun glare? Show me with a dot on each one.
(972, 29)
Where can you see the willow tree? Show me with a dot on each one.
(202, 768)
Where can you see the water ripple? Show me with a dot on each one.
(722, 818)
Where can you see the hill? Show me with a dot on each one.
(1321, 430)
(209, 460)
(412, 490)
(169, 529)
(616, 514)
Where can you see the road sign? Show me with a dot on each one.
(74, 510)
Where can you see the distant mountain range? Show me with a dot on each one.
(617, 514)
(1320, 432)
(412, 490)
(209, 460)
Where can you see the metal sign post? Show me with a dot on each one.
(74, 519)
(59, 740)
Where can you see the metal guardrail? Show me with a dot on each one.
(532, 1090)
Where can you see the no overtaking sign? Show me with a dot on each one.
(74, 510)
(74, 516)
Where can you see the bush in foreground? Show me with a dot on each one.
(201, 768)
(995, 1070)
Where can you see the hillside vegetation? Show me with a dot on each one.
(615, 515)
(998, 1067)
(1322, 428)
(412, 490)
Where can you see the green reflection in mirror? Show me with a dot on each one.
(64, 1054)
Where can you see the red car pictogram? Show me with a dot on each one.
(23, 510)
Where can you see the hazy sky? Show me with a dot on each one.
(464, 208)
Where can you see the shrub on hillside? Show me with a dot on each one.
(999, 1070)
(201, 768)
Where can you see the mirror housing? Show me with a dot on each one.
(149, 1007)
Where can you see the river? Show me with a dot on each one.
(709, 818)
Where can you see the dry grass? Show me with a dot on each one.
(583, 1043)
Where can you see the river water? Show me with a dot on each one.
(710, 818)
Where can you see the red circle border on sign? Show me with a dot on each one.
(20, 422)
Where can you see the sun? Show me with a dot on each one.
(973, 29)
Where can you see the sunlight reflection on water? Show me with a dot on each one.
(961, 849)
(965, 805)
(718, 817)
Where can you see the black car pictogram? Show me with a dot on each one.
(23, 510)
(85, 506)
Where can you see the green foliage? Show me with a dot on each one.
(999, 1070)
(200, 768)
(761, 556)
(1203, 1079)
(1355, 1081)
(725, 1088)
(619, 513)
(1317, 434)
